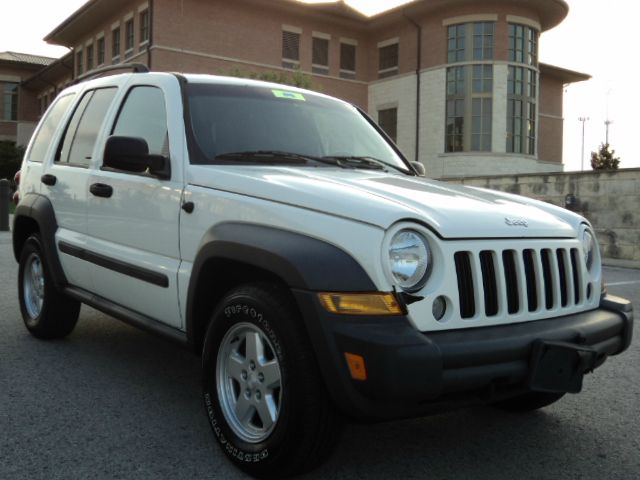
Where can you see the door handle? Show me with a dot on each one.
(48, 179)
(101, 190)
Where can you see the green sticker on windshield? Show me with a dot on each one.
(289, 95)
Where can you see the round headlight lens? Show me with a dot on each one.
(409, 259)
(588, 248)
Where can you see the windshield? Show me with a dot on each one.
(246, 124)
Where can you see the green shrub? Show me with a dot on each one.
(10, 159)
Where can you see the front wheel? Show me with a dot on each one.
(46, 312)
(266, 401)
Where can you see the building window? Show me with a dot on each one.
(483, 40)
(481, 117)
(144, 26)
(456, 42)
(454, 141)
(471, 42)
(10, 102)
(79, 65)
(522, 89)
(129, 38)
(388, 121)
(523, 44)
(347, 60)
(521, 110)
(469, 108)
(388, 60)
(482, 78)
(290, 49)
(89, 50)
(320, 56)
(469, 91)
(100, 46)
(115, 45)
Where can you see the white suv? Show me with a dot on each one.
(282, 235)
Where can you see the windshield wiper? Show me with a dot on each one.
(364, 162)
(266, 156)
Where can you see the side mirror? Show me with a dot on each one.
(131, 154)
(419, 169)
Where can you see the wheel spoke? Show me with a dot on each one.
(267, 411)
(34, 271)
(236, 366)
(244, 409)
(271, 373)
(254, 346)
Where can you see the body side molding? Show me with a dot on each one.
(124, 268)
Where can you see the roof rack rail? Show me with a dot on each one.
(135, 67)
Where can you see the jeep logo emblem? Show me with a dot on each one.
(516, 222)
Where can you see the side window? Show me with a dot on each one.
(84, 127)
(47, 128)
(144, 115)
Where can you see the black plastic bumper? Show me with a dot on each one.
(412, 374)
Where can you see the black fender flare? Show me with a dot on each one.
(302, 262)
(39, 209)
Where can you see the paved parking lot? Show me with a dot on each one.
(112, 402)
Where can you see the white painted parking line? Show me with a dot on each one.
(614, 284)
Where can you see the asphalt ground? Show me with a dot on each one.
(112, 402)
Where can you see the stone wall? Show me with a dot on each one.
(610, 200)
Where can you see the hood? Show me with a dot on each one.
(382, 199)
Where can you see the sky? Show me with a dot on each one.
(598, 38)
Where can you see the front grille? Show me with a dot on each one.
(498, 282)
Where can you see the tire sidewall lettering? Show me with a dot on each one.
(239, 312)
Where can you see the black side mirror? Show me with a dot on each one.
(419, 169)
(131, 154)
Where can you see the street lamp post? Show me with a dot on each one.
(583, 120)
(607, 123)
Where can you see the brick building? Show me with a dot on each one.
(19, 110)
(457, 83)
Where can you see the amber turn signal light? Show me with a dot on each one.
(361, 303)
(357, 366)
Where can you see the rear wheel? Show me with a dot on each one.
(266, 401)
(529, 402)
(46, 312)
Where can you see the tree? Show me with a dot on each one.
(603, 159)
(10, 159)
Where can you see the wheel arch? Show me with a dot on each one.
(34, 214)
(231, 254)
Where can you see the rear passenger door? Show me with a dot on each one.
(64, 180)
(133, 231)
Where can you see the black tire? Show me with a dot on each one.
(306, 426)
(46, 312)
(529, 402)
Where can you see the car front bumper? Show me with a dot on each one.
(410, 373)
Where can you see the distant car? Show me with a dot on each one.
(282, 235)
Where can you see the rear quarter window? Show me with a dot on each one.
(48, 125)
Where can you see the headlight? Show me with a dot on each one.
(409, 260)
(588, 248)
